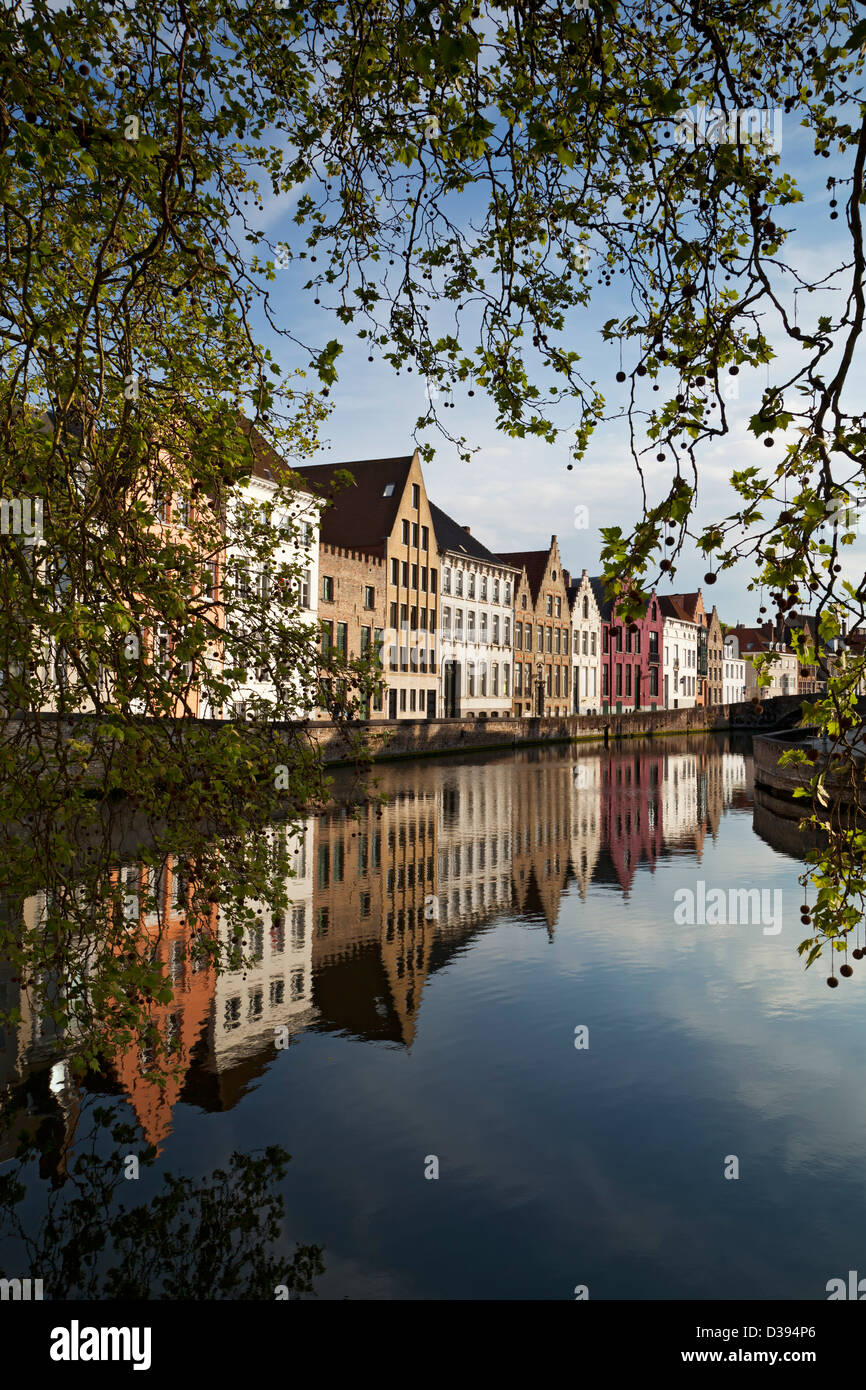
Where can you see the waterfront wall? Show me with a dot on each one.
(414, 738)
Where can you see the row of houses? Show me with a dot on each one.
(454, 629)
(465, 631)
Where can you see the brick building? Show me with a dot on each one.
(384, 515)
(715, 660)
(352, 611)
(631, 655)
(542, 633)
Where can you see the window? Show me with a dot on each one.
(425, 538)
(341, 638)
(412, 706)
(470, 627)
(414, 533)
(424, 578)
(575, 645)
(404, 574)
(606, 640)
(496, 629)
(550, 605)
(471, 589)
(414, 576)
(446, 622)
(518, 679)
(518, 635)
(365, 640)
(529, 637)
(507, 637)
(592, 644)
(556, 641)
(402, 699)
(559, 608)
(628, 640)
(585, 636)
(416, 495)
(508, 601)
(550, 639)
(432, 581)
(522, 600)
(483, 690)
(496, 591)
(327, 588)
(495, 690)
(446, 581)
(484, 587)
(470, 679)
(506, 674)
(459, 578)
(305, 589)
(556, 682)
(327, 637)
(393, 615)
(405, 533)
(654, 680)
(389, 490)
(539, 638)
(628, 680)
(619, 680)
(585, 606)
(395, 571)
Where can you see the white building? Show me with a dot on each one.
(298, 527)
(585, 647)
(784, 670)
(477, 608)
(680, 650)
(733, 672)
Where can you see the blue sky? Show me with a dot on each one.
(515, 493)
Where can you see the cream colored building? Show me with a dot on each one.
(585, 646)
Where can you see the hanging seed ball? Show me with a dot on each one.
(569, 466)
(699, 380)
(857, 953)
(84, 70)
(762, 610)
(641, 370)
(664, 564)
(710, 578)
(846, 970)
(734, 371)
(660, 458)
(833, 982)
(807, 921)
(669, 540)
(620, 376)
(805, 908)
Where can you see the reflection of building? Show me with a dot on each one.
(543, 798)
(374, 892)
(162, 928)
(586, 819)
(632, 814)
(474, 860)
(261, 1005)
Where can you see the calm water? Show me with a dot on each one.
(429, 984)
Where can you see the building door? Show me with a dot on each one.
(431, 704)
(392, 704)
(451, 681)
(637, 676)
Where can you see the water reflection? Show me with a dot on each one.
(377, 896)
(379, 899)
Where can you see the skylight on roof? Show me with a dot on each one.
(389, 490)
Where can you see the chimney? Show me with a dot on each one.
(466, 529)
(552, 542)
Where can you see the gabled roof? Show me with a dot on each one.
(450, 535)
(361, 516)
(672, 606)
(535, 564)
(751, 639)
(688, 603)
(605, 604)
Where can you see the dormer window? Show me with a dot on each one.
(389, 490)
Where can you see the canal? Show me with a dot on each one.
(535, 1028)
